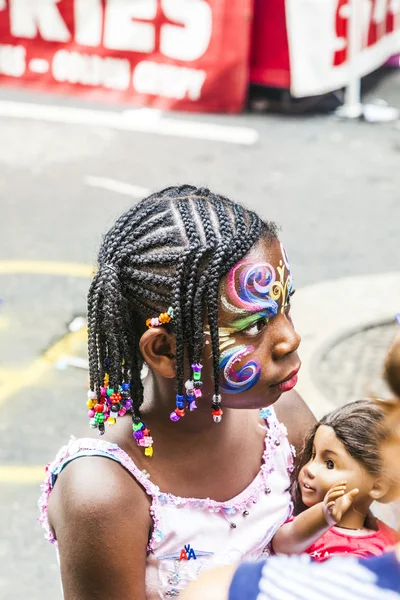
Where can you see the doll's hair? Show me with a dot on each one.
(360, 427)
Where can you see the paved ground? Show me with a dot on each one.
(352, 368)
(333, 186)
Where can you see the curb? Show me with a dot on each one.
(328, 311)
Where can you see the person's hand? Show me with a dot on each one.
(337, 502)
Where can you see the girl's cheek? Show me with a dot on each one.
(240, 371)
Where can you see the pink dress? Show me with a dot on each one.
(193, 534)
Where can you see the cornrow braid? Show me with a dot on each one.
(169, 250)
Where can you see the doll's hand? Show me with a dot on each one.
(336, 502)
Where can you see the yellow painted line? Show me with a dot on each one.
(17, 381)
(16, 474)
(42, 267)
(39, 367)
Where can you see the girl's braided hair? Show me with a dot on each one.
(170, 249)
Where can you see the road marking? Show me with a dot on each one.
(40, 366)
(42, 267)
(140, 120)
(21, 475)
(65, 346)
(15, 381)
(127, 189)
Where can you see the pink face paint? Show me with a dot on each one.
(252, 292)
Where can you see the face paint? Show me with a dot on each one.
(246, 322)
(282, 289)
(253, 293)
(244, 378)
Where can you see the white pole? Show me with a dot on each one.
(352, 107)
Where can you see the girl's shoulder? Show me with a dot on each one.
(91, 485)
(96, 508)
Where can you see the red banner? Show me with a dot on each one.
(269, 64)
(168, 54)
(303, 44)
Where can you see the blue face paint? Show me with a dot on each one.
(240, 379)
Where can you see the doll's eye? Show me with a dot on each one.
(330, 464)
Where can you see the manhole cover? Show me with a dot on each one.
(351, 368)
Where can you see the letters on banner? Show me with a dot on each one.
(185, 54)
(318, 33)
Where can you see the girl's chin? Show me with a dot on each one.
(258, 402)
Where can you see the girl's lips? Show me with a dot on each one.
(288, 383)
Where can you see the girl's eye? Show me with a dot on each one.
(256, 327)
(330, 464)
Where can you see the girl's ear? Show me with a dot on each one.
(158, 350)
(380, 489)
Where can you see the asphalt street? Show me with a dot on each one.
(333, 186)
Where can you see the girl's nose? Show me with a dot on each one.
(287, 339)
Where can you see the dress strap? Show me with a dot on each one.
(78, 448)
(277, 434)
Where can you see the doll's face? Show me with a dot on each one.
(258, 343)
(331, 464)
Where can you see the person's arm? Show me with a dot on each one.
(101, 520)
(213, 585)
(296, 536)
(298, 419)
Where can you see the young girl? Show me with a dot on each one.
(197, 288)
(342, 452)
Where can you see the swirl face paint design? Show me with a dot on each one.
(282, 289)
(253, 293)
(244, 378)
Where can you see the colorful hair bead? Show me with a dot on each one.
(192, 403)
(142, 436)
(113, 403)
(216, 408)
(162, 318)
(179, 411)
(197, 383)
(190, 395)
